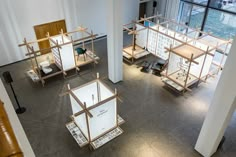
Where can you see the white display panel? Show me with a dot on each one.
(90, 91)
(104, 118)
(195, 69)
(67, 55)
(74, 105)
(66, 52)
(85, 93)
(81, 123)
(207, 65)
(104, 91)
(163, 42)
(152, 41)
(141, 37)
(174, 62)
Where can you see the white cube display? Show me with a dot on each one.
(94, 108)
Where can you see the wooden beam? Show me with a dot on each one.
(178, 83)
(186, 80)
(80, 103)
(84, 38)
(168, 49)
(101, 102)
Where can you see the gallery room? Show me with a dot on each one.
(122, 78)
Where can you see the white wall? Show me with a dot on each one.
(130, 10)
(17, 19)
(149, 8)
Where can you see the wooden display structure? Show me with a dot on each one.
(63, 54)
(167, 32)
(221, 46)
(134, 51)
(186, 66)
(95, 120)
(177, 43)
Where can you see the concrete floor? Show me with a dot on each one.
(159, 122)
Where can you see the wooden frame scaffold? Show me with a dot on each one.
(133, 51)
(63, 60)
(184, 43)
(181, 34)
(181, 75)
(95, 120)
(91, 56)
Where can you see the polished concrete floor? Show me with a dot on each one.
(159, 122)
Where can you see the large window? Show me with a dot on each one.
(215, 16)
(191, 15)
(228, 5)
(220, 24)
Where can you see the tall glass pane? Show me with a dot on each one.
(202, 2)
(197, 16)
(184, 12)
(220, 24)
(229, 5)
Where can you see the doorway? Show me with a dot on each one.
(53, 28)
(142, 9)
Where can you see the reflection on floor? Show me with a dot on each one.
(159, 123)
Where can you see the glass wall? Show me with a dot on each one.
(215, 16)
(191, 15)
(220, 24)
(228, 5)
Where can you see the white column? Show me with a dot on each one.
(114, 40)
(221, 110)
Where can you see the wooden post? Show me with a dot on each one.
(93, 51)
(98, 91)
(38, 67)
(156, 42)
(87, 122)
(59, 53)
(92, 43)
(222, 59)
(62, 35)
(147, 38)
(168, 60)
(83, 40)
(190, 62)
(28, 50)
(199, 78)
(116, 107)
